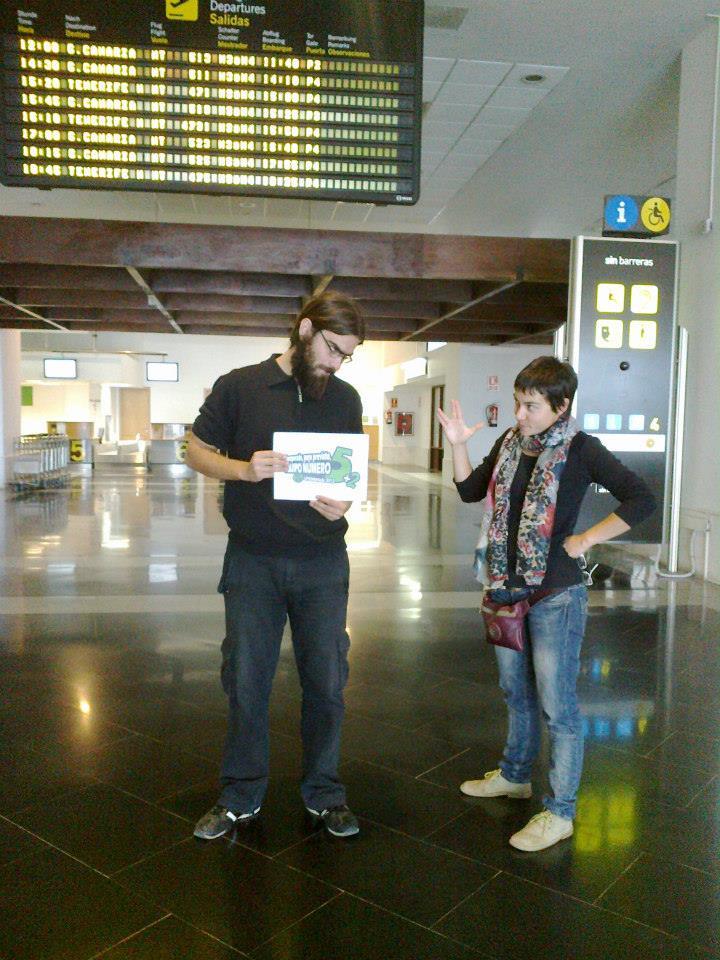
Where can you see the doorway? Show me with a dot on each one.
(437, 399)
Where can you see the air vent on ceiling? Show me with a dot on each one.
(445, 18)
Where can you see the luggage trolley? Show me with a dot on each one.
(40, 462)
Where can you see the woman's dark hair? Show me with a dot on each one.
(549, 377)
(331, 311)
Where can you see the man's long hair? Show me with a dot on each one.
(331, 311)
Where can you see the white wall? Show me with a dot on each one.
(202, 360)
(365, 373)
(699, 295)
(72, 399)
(464, 370)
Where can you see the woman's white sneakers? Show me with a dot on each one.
(542, 831)
(494, 784)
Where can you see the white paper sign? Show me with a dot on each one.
(331, 465)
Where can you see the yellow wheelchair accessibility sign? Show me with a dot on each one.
(655, 215)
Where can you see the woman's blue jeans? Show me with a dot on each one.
(543, 678)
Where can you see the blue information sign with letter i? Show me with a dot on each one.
(639, 217)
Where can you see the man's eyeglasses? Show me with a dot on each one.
(335, 351)
(587, 572)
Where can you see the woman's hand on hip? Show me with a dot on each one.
(576, 545)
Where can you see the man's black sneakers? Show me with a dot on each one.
(339, 821)
(219, 821)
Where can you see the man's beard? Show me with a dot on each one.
(312, 379)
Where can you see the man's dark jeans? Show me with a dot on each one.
(260, 593)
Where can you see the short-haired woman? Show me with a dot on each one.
(533, 481)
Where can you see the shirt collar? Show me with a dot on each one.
(273, 372)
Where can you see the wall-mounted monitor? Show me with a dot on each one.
(59, 368)
(157, 371)
(284, 98)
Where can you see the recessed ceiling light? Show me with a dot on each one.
(533, 78)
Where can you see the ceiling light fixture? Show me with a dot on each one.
(533, 78)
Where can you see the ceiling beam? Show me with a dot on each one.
(320, 284)
(234, 284)
(152, 298)
(30, 313)
(220, 302)
(374, 288)
(112, 299)
(452, 313)
(49, 240)
(51, 275)
(275, 321)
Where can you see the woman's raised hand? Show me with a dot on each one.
(454, 426)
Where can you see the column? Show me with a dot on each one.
(10, 382)
(699, 304)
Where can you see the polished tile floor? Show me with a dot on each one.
(112, 721)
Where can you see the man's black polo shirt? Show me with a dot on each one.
(240, 415)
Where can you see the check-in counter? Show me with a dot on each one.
(167, 451)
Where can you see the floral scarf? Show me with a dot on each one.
(538, 512)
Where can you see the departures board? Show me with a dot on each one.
(285, 98)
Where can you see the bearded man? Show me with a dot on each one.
(284, 559)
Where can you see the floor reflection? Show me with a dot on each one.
(112, 723)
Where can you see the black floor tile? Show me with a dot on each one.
(388, 705)
(349, 929)
(53, 908)
(190, 727)
(148, 769)
(487, 725)
(50, 723)
(14, 842)
(102, 827)
(690, 837)
(471, 763)
(171, 939)
(582, 866)
(29, 777)
(402, 750)
(366, 668)
(227, 891)
(707, 803)
(682, 748)
(397, 800)
(513, 919)
(673, 783)
(391, 870)
(669, 897)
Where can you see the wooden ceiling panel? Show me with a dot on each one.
(217, 318)
(218, 302)
(371, 288)
(48, 297)
(233, 284)
(51, 275)
(113, 275)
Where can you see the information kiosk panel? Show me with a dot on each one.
(622, 344)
